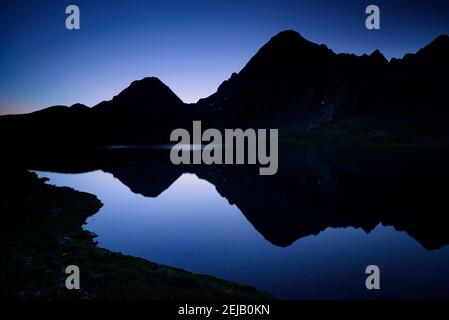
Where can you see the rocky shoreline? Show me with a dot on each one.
(41, 233)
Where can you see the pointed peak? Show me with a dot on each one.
(147, 81)
(376, 53)
(288, 34)
(147, 93)
(288, 42)
(287, 37)
(378, 56)
(284, 52)
(146, 85)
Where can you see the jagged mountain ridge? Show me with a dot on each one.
(299, 86)
(292, 84)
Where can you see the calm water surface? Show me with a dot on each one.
(190, 225)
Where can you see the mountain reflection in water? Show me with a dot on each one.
(307, 232)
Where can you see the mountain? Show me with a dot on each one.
(77, 107)
(144, 112)
(276, 81)
(307, 91)
(146, 96)
(314, 189)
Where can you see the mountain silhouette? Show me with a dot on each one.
(306, 90)
(309, 93)
(145, 96)
(77, 107)
(435, 53)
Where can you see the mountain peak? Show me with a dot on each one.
(285, 51)
(288, 38)
(288, 35)
(149, 92)
(147, 81)
(376, 55)
(152, 90)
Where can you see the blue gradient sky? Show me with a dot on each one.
(192, 46)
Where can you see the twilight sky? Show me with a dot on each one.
(192, 46)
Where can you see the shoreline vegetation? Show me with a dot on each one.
(41, 234)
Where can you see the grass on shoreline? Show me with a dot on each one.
(41, 233)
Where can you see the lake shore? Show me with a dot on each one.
(41, 234)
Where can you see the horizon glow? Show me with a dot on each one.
(192, 47)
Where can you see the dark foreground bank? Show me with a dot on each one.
(41, 234)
